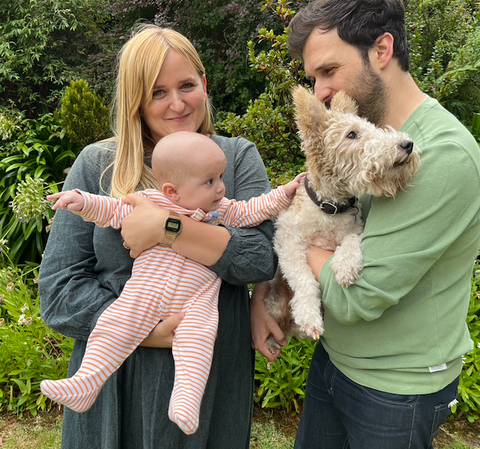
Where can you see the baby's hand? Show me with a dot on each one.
(292, 186)
(70, 199)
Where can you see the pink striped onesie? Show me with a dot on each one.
(163, 283)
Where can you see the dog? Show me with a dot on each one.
(345, 156)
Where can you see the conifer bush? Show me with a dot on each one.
(83, 115)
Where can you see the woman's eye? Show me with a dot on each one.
(158, 93)
(351, 135)
(188, 85)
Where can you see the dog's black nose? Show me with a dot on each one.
(407, 145)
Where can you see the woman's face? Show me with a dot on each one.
(179, 97)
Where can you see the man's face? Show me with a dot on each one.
(334, 65)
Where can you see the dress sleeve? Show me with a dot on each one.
(71, 293)
(405, 237)
(249, 256)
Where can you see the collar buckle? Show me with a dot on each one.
(328, 208)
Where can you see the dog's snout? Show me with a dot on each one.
(407, 145)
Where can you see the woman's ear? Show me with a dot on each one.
(204, 78)
(170, 192)
(383, 50)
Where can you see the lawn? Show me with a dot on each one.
(271, 430)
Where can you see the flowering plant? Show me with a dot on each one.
(30, 351)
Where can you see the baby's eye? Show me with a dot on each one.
(352, 135)
(209, 182)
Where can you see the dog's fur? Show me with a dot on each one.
(345, 156)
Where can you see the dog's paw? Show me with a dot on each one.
(347, 262)
(272, 345)
(345, 276)
(314, 332)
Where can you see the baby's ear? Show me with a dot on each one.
(170, 192)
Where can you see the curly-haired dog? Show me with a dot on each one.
(345, 156)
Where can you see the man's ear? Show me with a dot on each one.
(383, 50)
(170, 192)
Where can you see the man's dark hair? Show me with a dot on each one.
(358, 22)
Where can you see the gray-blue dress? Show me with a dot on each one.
(83, 271)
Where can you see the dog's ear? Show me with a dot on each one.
(311, 114)
(342, 102)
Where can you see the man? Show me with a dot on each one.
(387, 366)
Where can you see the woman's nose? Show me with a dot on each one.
(176, 102)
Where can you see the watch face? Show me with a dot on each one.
(173, 225)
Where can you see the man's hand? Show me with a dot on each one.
(143, 228)
(263, 325)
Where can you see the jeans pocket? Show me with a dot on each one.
(441, 413)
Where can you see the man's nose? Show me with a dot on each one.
(322, 92)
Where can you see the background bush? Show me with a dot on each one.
(43, 43)
(31, 352)
(41, 53)
(83, 115)
(41, 151)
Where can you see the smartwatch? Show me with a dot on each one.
(172, 227)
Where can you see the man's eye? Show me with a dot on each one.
(351, 135)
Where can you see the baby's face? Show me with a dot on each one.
(204, 188)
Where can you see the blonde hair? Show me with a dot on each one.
(140, 62)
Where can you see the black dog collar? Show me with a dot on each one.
(325, 206)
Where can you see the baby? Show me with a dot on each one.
(189, 168)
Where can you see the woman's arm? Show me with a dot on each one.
(238, 256)
(197, 241)
(72, 296)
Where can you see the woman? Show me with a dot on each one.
(161, 89)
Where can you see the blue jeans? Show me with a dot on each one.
(340, 414)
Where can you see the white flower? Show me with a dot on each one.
(2, 320)
(10, 287)
(454, 402)
(22, 319)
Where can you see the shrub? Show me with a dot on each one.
(83, 116)
(30, 351)
(281, 383)
(469, 389)
(270, 119)
(43, 153)
(444, 37)
(43, 45)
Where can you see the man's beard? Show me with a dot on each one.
(370, 93)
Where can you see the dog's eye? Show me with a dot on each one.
(351, 135)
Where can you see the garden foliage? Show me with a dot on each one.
(34, 162)
(444, 38)
(41, 53)
(83, 115)
(31, 352)
(269, 120)
(42, 45)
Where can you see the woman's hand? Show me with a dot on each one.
(162, 334)
(143, 228)
(262, 324)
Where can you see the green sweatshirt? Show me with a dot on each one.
(401, 327)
